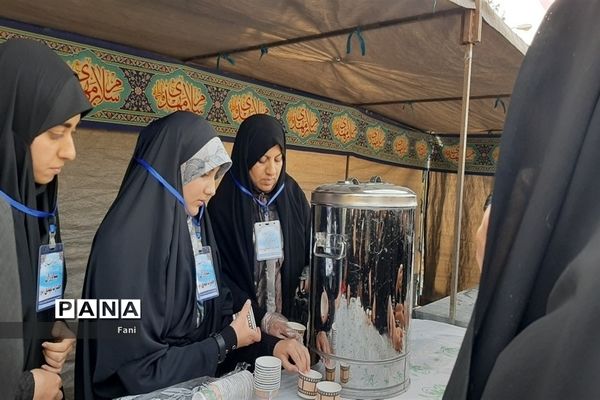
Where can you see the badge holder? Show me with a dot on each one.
(206, 279)
(51, 264)
(268, 240)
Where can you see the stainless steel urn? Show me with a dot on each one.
(361, 283)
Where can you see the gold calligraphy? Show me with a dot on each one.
(302, 121)
(344, 128)
(451, 154)
(178, 94)
(99, 84)
(376, 137)
(422, 149)
(401, 145)
(241, 106)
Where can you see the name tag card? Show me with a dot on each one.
(50, 275)
(206, 280)
(268, 240)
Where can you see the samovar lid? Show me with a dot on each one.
(354, 194)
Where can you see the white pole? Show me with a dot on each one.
(460, 179)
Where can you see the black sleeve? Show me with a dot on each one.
(304, 214)
(239, 298)
(236, 295)
(225, 293)
(230, 338)
(168, 365)
(249, 354)
(25, 386)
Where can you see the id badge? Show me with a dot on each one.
(50, 275)
(206, 280)
(268, 240)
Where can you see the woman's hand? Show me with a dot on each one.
(276, 325)
(291, 349)
(56, 353)
(46, 385)
(245, 334)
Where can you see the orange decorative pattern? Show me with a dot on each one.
(99, 84)
(376, 137)
(452, 154)
(302, 121)
(422, 149)
(241, 106)
(344, 128)
(401, 145)
(178, 94)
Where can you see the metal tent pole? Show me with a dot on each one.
(471, 34)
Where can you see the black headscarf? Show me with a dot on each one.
(533, 334)
(143, 250)
(234, 211)
(37, 92)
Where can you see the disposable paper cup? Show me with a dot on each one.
(307, 384)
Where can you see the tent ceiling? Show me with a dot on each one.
(411, 53)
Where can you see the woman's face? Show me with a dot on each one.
(199, 191)
(265, 173)
(50, 150)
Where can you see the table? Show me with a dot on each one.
(439, 310)
(434, 347)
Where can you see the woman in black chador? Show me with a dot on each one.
(264, 228)
(534, 330)
(41, 103)
(156, 244)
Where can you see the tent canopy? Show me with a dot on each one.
(411, 73)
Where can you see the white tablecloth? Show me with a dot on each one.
(434, 347)
(439, 310)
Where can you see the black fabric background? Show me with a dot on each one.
(534, 328)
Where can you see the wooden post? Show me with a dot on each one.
(471, 34)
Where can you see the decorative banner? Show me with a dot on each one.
(177, 92)
(401, 144)
(241, 105)
(422, 149)
(302, 120)
(376, 137)
(103, 85)
(481, 155)
(344, 128)
(130, 90)
(451, 154)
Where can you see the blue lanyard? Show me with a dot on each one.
(161, 180)
(262, 204)
(196, 223)
(172, 190)
(34, 213)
